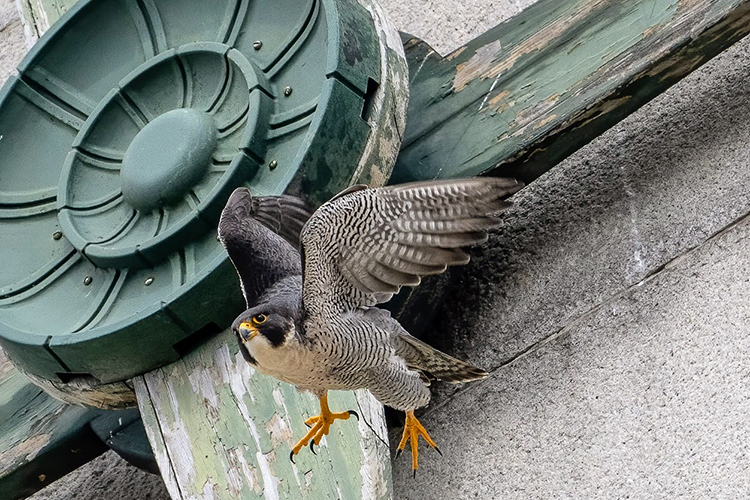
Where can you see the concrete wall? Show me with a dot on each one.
(611, 308)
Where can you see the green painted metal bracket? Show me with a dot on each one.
(524, 95)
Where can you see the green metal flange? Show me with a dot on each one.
(127, 128)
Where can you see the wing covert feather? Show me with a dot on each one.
(361, 247)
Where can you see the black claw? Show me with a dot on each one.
(312, 449)
(291, 456)
(414, 476)
(398, 454)
(438, 450)
(356, 415)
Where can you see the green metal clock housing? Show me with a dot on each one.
(125, 131)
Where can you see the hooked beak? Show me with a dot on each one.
(247, 331)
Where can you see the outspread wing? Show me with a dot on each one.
(261, 256)
(361, 248)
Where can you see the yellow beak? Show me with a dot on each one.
(247, 331)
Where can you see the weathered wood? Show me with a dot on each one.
(529, 92)
(41, 439)
(220, 430)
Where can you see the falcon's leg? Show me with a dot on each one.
(320, 426)
(412, 430)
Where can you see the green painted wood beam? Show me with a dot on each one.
(529, 92)
(41, 439)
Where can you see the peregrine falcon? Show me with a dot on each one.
(312, 319)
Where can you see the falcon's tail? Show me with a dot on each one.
(437, 364)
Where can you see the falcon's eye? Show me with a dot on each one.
(259, 319)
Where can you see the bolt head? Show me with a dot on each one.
(287, 91)
(57, 235)
(88, 280)
(148, 281)
(257, 44)
(273, 164)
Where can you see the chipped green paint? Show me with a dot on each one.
(221, 430)
(529, 92)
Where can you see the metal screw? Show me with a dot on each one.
(257, 44)
(87, 280)
(148, 281)
(56, 235)
(287, 91)
(273, 164)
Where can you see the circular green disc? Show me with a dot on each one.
(127, 128)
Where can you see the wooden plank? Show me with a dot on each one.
(41, 439)
(220, 430)
(38, 15)
(529, 92)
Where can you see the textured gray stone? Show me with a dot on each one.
(107, 477)
(448, 24)
(644, 397)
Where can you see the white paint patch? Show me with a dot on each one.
(279, 431)
(492, 87)
(375, 469)
(208, 491)
(638, 269)
(270, 482)
(203, 384)
(421, 65)
(176, 438)
(278, 397)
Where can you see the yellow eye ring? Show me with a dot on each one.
(259, 319)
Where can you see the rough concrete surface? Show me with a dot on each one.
(12, 46)
(107, 477)
(611, 307)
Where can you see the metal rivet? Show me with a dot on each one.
(148, 281)
(56, 235)
(273, 164)
(87, 280)
(287, 91)
(257, 44)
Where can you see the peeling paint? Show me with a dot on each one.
(279, 431)
(237, 426)
(479, 65)
(24, 451)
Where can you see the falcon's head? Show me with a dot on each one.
(264, 323)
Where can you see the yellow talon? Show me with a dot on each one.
(412, 430)
(320, 424)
